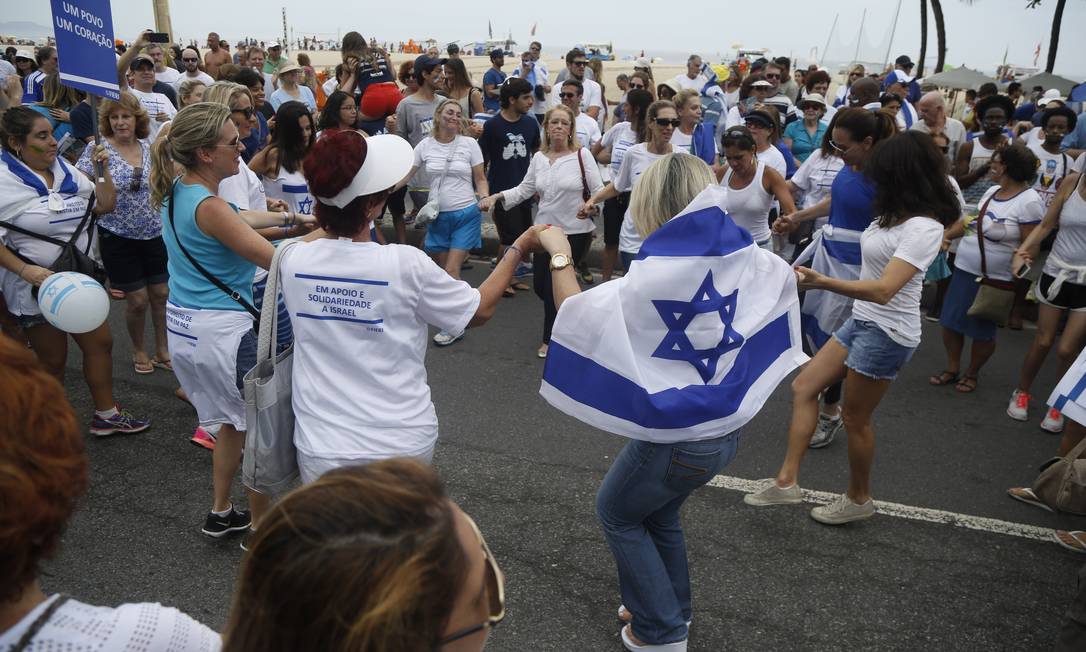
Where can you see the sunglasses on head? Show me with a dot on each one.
(665, 122)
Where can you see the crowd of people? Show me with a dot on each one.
(210, 167)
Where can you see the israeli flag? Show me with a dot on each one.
(689, 344)
(1068, 397)
(835, 252)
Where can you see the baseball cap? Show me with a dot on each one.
(273, 45)
(1051, 95)
(496, 54)
(23, 54)
(896, 77)
(140, 59)
(388, 159)
(425, 63)
(904, 61)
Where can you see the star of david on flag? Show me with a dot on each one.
(689, 344)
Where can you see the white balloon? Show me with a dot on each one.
(73, 302)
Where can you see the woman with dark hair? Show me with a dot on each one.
(973, 165)
(360, 313)
(752, 91)
(45, 474)
(752, 186)
(835, 252)
(914, 202)
(42, 196)
(370, 81)
(339, 113)
(764, 125)
(610, 151)
(387, 562)
(818, 82)
(280, 163)
(1009, 211)
(890, 103)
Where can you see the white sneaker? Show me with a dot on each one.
(771, 494)
(842, 511)
(445, 338)
(677, 646)
(1053, 421)
(1018, 408)
(825, 431)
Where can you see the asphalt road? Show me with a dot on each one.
(768, 578)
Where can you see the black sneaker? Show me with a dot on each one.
(238, 520)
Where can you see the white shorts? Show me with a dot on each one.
(312, 468)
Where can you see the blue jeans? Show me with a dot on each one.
(638, 507)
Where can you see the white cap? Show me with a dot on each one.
(1051, 95)
(23, 54)
(273, 44)
(388, 160)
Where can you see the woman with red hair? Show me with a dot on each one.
(360, 313)
(43, 473)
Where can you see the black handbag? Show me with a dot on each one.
(70, 259)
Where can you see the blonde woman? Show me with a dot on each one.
(190, 91)
(130, 236)
(210, 328)
(561, 173)
(456, 229)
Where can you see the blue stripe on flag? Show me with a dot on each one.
(1073, 395)
(704, 232)
(816, 337)
(846, 252)
(590, 384)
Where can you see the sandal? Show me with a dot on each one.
(509, 292)
(1074, 540)
(159, 363)
(144, 368)
(967, 385)
(944, 378)
(520, 285)
(1027, 496)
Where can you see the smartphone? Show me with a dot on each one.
(158, 37)
(1022, 271)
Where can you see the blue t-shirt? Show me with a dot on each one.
(258, 138)
(188, 287)
(495, 78)
(507, 150)
(1025, 112)
(802, 141)
(32, 87)
(82, 117)
(850, 200)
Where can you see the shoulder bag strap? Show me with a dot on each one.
(585, 194)
(38, 623)
(51, 240)
(980, 236)
(200, 268)
(448, 162)
(269, 318)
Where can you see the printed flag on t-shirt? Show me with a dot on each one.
(689, 344)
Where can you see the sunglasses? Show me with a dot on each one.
(247, 112)
(137, 179)
(772, 76)
(665, 122)
(495, 590)
(811, 107)
(641, 86)
(189, 60)
(567, 96)
(580, 63)
(755, 125)
(837, 147)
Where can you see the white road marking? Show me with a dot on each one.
(981, 523)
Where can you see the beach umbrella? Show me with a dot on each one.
(1047, 80)
(958, 78)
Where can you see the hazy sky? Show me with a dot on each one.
(977, 33)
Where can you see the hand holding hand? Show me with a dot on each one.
(785, 224)
(488, 202)
(554, 241)
(277, 205)
(587, 209)
(475, 129)
(807, 278)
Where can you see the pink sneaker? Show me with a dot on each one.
(203, 439)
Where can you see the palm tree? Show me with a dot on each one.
(1054, 37)
(923, 37)
(940, 34)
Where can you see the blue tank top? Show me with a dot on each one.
(851, 196)
(188, 287)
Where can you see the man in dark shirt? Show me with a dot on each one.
(508, 142)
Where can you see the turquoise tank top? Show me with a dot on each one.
(188, 287)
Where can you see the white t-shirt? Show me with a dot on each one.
(915, 241)
(815, 178)
(244, 190)
(1002, 235)
(734, 117)
(182, 77)
(1080, 163)
(588, 131)
(330, 86)
(954, 130)
(133, 627)
(457, 190)
(695, 84)
(634, 163)
(774, 159)
(153, 104)
(619, 138)
(360, 312)
(561, 189)
(1051, 169)
(593, 96)
(682, 141)
(167, 75)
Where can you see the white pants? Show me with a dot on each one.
(312, 468)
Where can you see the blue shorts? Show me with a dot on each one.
(871, 352)
(460, 229)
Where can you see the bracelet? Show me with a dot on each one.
(513, 247)
(293, 218)
(286, 218)
(22, 269)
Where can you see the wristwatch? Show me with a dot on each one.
(560, 262)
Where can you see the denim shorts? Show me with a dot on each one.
(871, 352)
(455, 230)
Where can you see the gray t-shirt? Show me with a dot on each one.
(415, 117)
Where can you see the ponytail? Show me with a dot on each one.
(162, 171)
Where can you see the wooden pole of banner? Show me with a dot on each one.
(97, 136)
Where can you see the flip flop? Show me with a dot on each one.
(143, 370)
(944, 378)
(162, 364)
(1074, 540)
(967, 385)
(1027, 496)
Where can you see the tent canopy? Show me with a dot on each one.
(959, 78)
(1047, 80)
